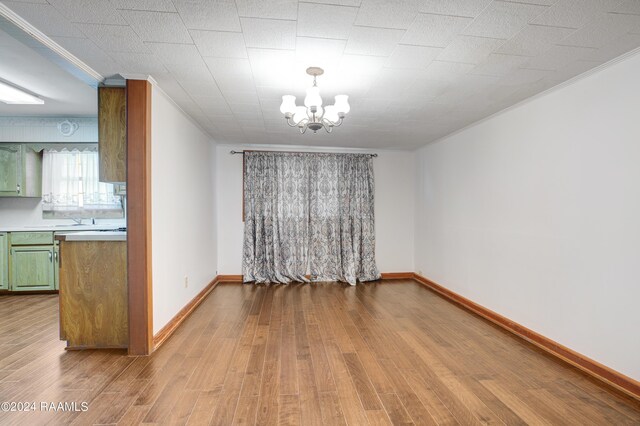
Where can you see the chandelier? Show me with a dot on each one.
(312, 115)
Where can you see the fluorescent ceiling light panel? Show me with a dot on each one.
(13, 95)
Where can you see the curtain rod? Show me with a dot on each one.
(294, 152)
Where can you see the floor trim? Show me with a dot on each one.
(601, 372)
(165, 332)
(384, 276)
(396, 275)
(23, 292)
(230, 278)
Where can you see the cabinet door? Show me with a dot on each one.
(32, 268)
(112, 134)
(10, 170)
(4, 265)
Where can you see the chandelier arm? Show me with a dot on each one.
(290, 122)
(332, 123)
(304, 122)
(328, 129)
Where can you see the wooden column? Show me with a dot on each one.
(139, 217)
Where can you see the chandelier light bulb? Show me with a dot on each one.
(288, 105)
(331, 114)
(342, 104)
(300, 114)
(313, 97)
(312, 115)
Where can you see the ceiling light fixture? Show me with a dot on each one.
(12, 95)
(312, 115)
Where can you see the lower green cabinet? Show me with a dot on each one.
(33, 268)
(4, 264)
(32, 262)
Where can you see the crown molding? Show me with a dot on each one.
(23, 31)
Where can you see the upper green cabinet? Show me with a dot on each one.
(20, 171)
(4, 266)
(10, 170)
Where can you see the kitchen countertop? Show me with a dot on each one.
(58, 228)
(92, 236)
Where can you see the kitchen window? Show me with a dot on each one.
(70, 187)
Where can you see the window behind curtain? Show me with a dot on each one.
(70, 186)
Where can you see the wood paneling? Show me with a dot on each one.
(93, 294)
(139, 216)
(320, 353)
(589, 366)
(112, 134)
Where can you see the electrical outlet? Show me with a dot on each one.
(186, 282)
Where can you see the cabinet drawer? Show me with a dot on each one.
(31, 238)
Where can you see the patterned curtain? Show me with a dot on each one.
(308, 212)
(276, 223)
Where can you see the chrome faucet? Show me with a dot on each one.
(77, 220)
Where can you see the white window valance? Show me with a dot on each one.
(62, 146)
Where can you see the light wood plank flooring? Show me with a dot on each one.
(320, 354)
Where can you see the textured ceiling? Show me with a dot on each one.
(415, 70)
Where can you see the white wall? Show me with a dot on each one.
(535, 214)
(394, 180)
(183, 209)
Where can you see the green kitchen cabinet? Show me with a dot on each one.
(10, 170)
(4, 264)
(33, 268)
(33, 261)
(20, 171)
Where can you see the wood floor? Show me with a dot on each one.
(319, 354)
